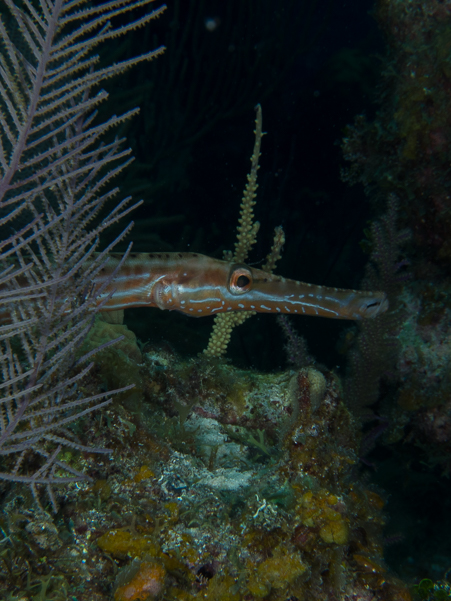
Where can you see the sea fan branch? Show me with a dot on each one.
(53, 163)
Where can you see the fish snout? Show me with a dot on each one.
(374, 305)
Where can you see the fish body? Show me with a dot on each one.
(198, 285)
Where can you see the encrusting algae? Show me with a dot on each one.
(147, 583)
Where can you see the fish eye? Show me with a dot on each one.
(240, 280)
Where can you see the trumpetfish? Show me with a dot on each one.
(198, 285)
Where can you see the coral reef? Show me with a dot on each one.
(224, 484)
(233, 485)
(422, 413)
(406, 149)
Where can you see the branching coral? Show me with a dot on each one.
(376, 346)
